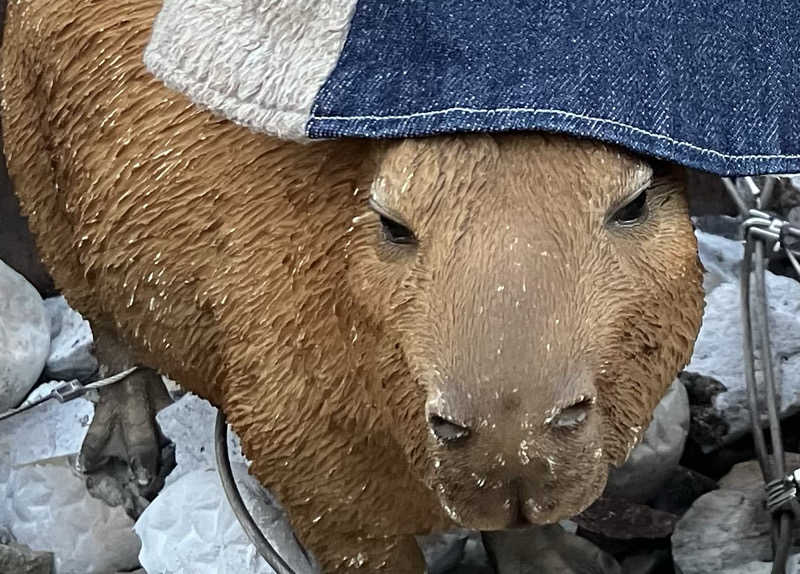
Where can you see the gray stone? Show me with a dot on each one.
(72, 346)
(656, 457)
(47, 507)
(794, 216)
(19, 559)
(759, 567)
(727, 530)
(546, 550)
(24, 337)
(443, 551)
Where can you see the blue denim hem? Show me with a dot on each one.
(711, 84)
(556, 121)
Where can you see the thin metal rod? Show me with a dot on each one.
(749, 363)
(10, 413)
(767, 368)
(237, 504)
(735, 196)
(783, 525)
(793, 260)
(71, 390)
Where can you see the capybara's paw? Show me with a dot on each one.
(124, 428)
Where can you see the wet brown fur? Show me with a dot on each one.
(252, 271)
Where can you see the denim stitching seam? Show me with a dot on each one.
(553, 112)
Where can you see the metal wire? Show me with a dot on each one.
(243, 515)
(67, 391)
(749, 362)
(760, 230)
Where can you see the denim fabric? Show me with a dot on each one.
(712, 84)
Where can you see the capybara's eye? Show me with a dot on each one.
(632, 212)
(396, 232)
(393, 230)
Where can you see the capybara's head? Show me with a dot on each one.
(536, 295)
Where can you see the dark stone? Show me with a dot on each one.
(681, 490)
(625, 520)
(657, 561)
(707, 427)
(707, 194)
(474, 559)
(722, 225)
(19, 559)
(17, 247)
(701, 389)
(785, 198)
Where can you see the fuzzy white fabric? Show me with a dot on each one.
(259, 63)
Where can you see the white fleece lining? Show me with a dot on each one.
(259, 63)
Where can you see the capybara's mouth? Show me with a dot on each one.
(520, 503)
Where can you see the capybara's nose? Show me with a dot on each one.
(446, 430)
(573, 415)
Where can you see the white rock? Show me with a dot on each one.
(718, 350)
(189, 423)
(47, 431)
(192, 511)
(71, 349)
(24, 337)
(47, 507)
(721, 259)
(655, 458)
(190, 528)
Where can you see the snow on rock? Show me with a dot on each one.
(24, 337)
(718, 349)
(46, 506)
(71, 349)
(656, 457)
(190, 528)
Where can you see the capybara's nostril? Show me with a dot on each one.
(575, 414)
(447, 431)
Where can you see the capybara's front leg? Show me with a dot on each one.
(345, 554)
